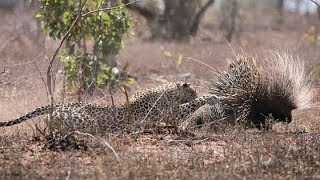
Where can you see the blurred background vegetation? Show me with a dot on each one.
(89, 56)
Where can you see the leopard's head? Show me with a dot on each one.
(184, 93)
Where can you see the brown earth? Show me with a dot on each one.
(287, 152)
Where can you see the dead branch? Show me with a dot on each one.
(152, 107)
(40, 73)
(124, 90)
(102, 141)
(3, 71)
(108, 8)
(145, 12)
(112, 104)
(49, 69)
(315, 2)
(68, 175)
(81, 68)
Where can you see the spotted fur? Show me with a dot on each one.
(177, 99)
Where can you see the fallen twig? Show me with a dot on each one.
(104, 143)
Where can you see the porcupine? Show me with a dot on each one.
(251, 95)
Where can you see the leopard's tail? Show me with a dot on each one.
(37, 112)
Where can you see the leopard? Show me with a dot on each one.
(176, 99)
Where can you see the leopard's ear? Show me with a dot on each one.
(186, 85)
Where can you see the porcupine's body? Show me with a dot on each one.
(250, 95)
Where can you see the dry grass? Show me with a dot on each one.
(230, 155)
(287, 152)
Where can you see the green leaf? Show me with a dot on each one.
(131, 80)
(105, 16)
(39, 15)
(104, 29)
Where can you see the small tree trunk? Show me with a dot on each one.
(297, 6)
(233, 16)
(178, 17)
(81, 63)
(229, 13)
(198, 17)
(279, 14)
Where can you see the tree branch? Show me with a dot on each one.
(145, 12)
(195, 25)
(316, 3)
(109, 8)
(49, 69)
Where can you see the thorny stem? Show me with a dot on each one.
(81, 68)
(123, 89)
(112, 103)
(49, 69)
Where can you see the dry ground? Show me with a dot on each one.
(287, 152)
